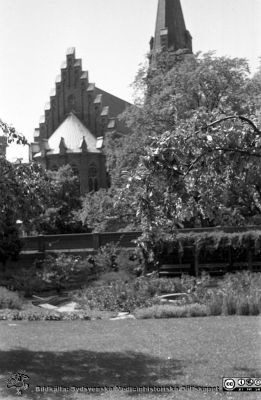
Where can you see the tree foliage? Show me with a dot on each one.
(193, 157)
(58, 216)
(107, 210)
(11, 133)
(23, 192)
(44, 201)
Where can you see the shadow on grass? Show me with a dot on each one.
(86, 368)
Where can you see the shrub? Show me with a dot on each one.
(42, 315)
(119, 295)
(59, 271)
(9, 299)
(51, 273)
(172, 311)
(215, 303)
(114, 294)
(255, 305)
(105, 259)
(128, 295)
(241, 293)
(243, 306)
(111, 258)
(197, 310)
(160, 311)
(28, 281)
(229, 305)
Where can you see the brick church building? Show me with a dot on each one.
(79, 114)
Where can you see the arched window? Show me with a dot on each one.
(75, 169)
(76, 174)
(93, 178)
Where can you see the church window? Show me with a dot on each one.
(75, 169)
(93, 178)
(76, 174)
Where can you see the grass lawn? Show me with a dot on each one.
(193, 351)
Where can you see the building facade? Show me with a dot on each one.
(75, 122)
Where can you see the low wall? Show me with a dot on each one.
(74, 242)
(92, 241)
(37, 247)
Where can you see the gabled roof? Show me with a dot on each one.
(72, 131)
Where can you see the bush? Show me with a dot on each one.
(229, 305)
(111, 258)
(127, 295)
(242, 294)
(28, 281)
(41, 315)
(215, 303)
(255, 305)
(235, 294)
(60, 271)
(9, 299)
(172, 311)
(197, 310)
(119, 295)
(51, 273)
(159, 311)
(243, 306)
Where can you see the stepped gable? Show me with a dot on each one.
(75, 121)
(75, 93)
(170, 32)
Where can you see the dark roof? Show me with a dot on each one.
(170, 22)
(116, 105)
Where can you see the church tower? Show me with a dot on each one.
(170, 33)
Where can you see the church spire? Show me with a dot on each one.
(171, 32)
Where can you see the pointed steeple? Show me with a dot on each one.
(171, 32)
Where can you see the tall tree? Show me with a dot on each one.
(193, 155)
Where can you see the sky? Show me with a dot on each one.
(112, 39)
